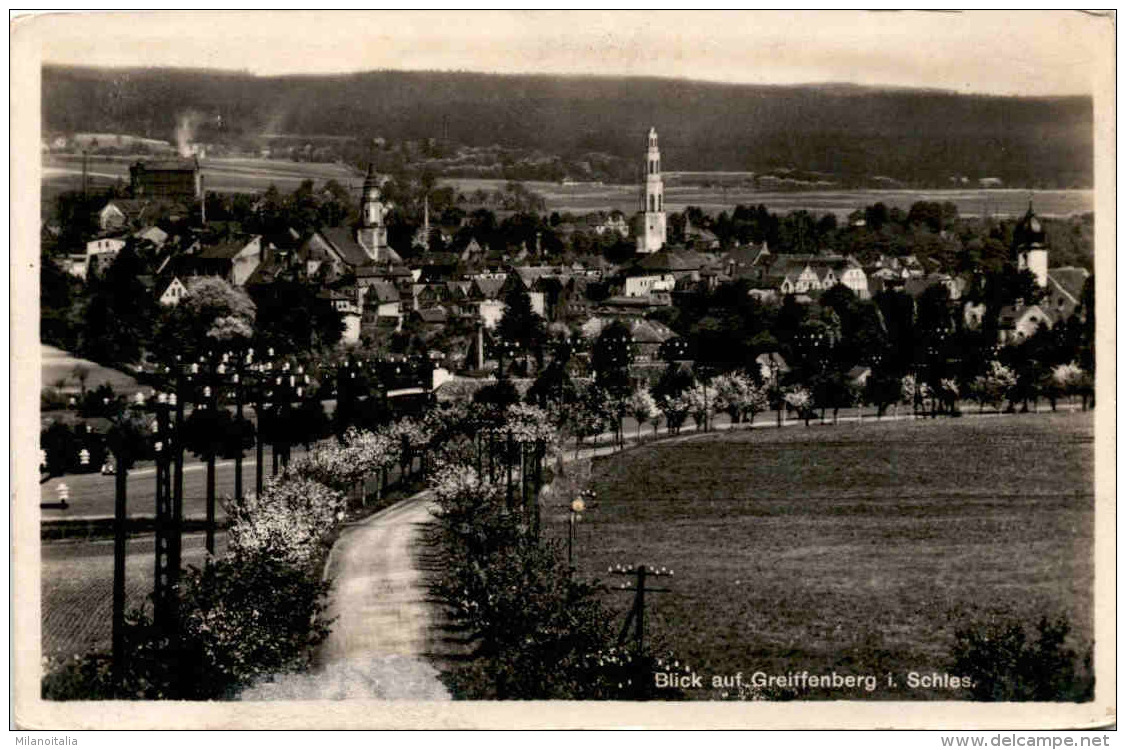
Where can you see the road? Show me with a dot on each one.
(383, 627)
(92, 495)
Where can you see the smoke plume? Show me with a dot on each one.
(186, 123)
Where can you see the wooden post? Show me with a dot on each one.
(119, 539)
(508, 468)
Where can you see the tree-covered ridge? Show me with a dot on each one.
(915, 137)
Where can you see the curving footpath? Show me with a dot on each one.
(383, 624)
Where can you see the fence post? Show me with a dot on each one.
(508, 460)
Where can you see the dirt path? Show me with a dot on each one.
(383, 626)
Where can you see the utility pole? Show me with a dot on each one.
(636, 615)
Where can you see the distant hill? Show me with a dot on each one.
(920, 137)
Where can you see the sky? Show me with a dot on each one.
(995, 52)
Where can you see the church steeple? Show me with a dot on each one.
(1030, 245)
(654, 233)
(373, 232)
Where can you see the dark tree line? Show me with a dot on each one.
(704, 126)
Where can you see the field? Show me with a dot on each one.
(56, 364)
(589, 197)
(849, 548)
(77, 589)
(256, 175)
(243, 175)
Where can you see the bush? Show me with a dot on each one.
(291, 521)
(51, 399)
(253, 613)
(241, 619)
(1008, 663)
(64, 445)
(247, 616)
(539, 632)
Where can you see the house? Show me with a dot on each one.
(120, 213)
(373, 325)
(699, 238)
(810, 274)
(76, 264)
(743, 261)
(858, 376)
(167, 179)
(632, 307)
(432, 318)
(647, 335)
(101, 253)
(615, 223)
(660, 271)
(1064, 291)
(344, 302)
(473, 251)
(153, 235)
(973, 314)
(382, 296)
(1017, 322)
(173, 293)
(528, 277)
(234, 260)
(955, 285)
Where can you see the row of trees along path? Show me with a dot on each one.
(387, 632)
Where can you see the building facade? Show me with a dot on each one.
(171, 180)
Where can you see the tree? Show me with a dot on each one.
(698, 403)
(1070, 380)
(60, 298)
(119, 314)
(641, 407)
(729, 389)
(800, 400)
(739, 395)
(882, 389)
(519, 323)
(590, 414)
(213, 315)
(611, 357)
(995, 385)
(292, 317)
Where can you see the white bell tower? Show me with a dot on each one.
(653, 234)
(373, 232)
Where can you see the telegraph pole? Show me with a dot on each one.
(636, 615)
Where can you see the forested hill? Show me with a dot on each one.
(922, 137)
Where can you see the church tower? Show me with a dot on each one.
(1031, 247)
(373, 232)
(652, 233)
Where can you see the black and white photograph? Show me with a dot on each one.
(666, 369)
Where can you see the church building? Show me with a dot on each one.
(652, 232)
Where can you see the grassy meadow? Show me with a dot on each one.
(855, 548)
(584, 197)
(723, 191)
